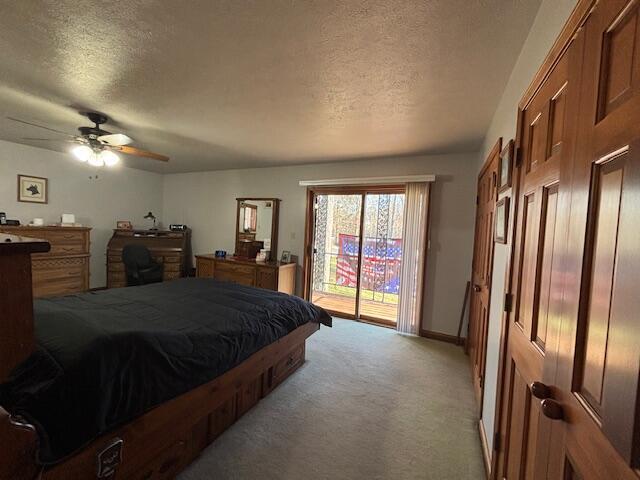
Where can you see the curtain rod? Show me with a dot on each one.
(369, 180)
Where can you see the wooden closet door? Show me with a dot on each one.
(482, 269)
(546, 140)
(599, 361)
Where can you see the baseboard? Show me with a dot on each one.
(443, 337)
(486, 456)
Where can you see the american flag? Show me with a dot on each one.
(381, 260)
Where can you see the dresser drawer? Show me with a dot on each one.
(115, 267)
(56, 266)
(249, 394)
(286, 366)
(66, 249)
(65, 238)
(228, 267)
(233, 272)
(235, 277)
(117, 277)
(171, 267)
(63, 243)
(267, 278)
(167, 275)
(59, 276)
(222, 418)
(166, 463)
(57, 286)
(204, 267)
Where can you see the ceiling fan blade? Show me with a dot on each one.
(141, 153)
(40, 126)
(32, 139)
(116, 139)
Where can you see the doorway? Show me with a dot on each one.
(356, 252)
(481, 270)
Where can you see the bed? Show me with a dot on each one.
(135, 382)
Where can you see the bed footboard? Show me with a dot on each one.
(19, 445)
(16, 300)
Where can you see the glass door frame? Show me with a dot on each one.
(362, 190)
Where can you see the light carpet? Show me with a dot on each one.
(369, 403)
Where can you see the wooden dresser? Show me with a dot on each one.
(270, 275)
(172, 249)
(65, 268)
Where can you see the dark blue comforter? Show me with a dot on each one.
(104, 358)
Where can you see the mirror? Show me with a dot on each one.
(257, 227)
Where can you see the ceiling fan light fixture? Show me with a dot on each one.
(96, 160)
(82, 152)
(109, 158)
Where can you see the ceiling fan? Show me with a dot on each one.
(95, 145)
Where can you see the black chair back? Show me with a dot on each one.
(136, 256)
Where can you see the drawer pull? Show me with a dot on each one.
(290, 361)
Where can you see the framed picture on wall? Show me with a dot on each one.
(504, 167)
(502, 220)
(32, 189)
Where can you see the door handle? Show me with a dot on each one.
(552, 409)
(476, 288)
(540, 390)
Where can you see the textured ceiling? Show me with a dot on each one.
(228, 84)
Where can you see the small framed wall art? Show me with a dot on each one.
(33, 189)
(504, 167)
(502, 220)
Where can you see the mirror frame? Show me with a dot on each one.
(275, 211)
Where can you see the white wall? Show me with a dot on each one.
(116, 194)
(206, 202)
(546, 27)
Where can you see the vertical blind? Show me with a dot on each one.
(413, 259)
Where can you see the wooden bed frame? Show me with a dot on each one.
(160, 443)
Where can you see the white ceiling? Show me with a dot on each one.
(239, 83)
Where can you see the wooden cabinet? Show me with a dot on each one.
(65, 268)
(276, 276)
(172, 249)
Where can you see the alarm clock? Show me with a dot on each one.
(177, 227)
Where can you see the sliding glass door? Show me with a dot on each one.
(336, 252)
(357, 253)
(381, 256)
